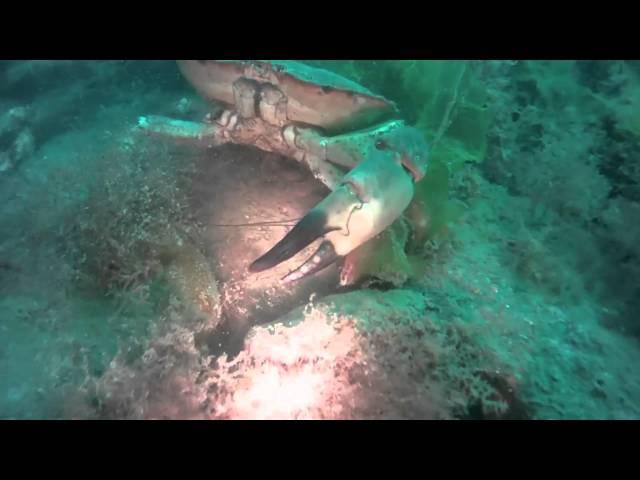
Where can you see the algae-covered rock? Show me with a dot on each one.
(359, 355)
(372, 308)
(192, 278)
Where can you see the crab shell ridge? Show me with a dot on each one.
(314, 96)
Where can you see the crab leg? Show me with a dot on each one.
(345, 150)
(195, 133)
(230, 128)
(368, 200)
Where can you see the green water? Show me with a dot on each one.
(532, 275)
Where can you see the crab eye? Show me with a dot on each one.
(381, 145)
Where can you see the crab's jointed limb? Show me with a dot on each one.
(229, 128)
(368, 200)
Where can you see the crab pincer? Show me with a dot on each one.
(369, 199)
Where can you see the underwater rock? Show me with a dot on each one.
(191, 276)
(371, 309)
(163, 384)
(358, 355)
(398, 363)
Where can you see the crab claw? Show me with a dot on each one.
(368, 200)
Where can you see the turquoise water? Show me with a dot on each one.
(508, 289)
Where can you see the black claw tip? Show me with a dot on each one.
(311, 227)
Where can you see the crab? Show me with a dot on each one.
(354, 141)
